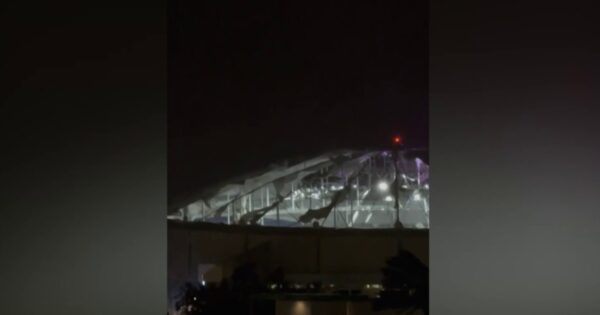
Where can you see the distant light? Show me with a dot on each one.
(383, 186)
(417, 196)
(354, 186)
(397, 140)
(389, 198)
(426, 186)
(203, 282)
(405, 186)
(300, 308)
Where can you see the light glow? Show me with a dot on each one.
(300, 308)
(417, 196)
(383, 186)
(397, 140)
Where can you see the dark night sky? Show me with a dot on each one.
(253, 83)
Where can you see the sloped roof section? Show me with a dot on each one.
(342, 189)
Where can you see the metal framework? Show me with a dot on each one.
(347, 189)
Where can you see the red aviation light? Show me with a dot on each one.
(397, 140)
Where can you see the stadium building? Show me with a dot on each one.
(332, 219)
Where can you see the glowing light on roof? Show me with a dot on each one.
(417, 196)
(383, 186)
(397, 140)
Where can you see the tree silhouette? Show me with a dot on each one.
(232, 297)
(405, 283)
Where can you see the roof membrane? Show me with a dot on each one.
(345, 189)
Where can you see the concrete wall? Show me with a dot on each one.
(300, 251)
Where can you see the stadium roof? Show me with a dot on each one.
(341, 189)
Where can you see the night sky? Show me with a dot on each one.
(252, 83)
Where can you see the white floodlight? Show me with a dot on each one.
(417, 196)
(383, 186)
